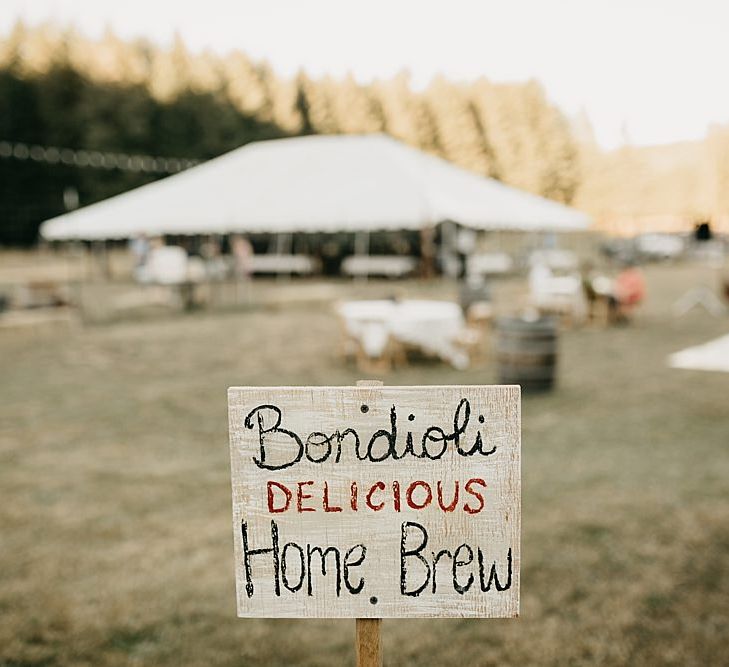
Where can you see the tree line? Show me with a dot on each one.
(60, 88)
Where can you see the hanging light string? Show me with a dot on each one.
(94, 159)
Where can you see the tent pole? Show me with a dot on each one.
(427, 252)
(86, 259)
(107, 260)
(71, 253)
(362, 247)
(284, 247)
(451, 245)
(102, 260)
(95, 259)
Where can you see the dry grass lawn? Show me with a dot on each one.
(115, 541)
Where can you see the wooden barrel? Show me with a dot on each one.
(526, 353)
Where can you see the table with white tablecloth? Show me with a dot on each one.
(487, 264)
(282, 264)
(711, 356)
(387, 266)
(431, 326)
(555, 293)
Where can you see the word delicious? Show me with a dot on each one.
(384, 444)
(416, 495)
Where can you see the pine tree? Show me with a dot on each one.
(170, 71)
(283, 95)
(396, 102)
(41, 49)
(354, 107)
(426, 125)
(11, 47)
(113, 61)
(460, 133)
(316, 104)
(246, 87)
(206, 73)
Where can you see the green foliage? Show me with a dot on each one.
(59, 88)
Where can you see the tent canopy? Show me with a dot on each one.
(315, 184)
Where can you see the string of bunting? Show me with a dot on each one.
(94, 159)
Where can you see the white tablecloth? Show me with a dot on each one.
(489, 264)
(391, 266)
(555, 258)
(430, 325)
(299, 264)
(562, 293)
(711, 356)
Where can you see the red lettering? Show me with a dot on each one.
(396, 495)
(287, 493)
(417, 495)
(454, 502)
(353, 496)
(476, 494)
(327, 506)
(377, 486)
(411, 490)
(301, 496)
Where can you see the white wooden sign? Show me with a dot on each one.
(376, 501)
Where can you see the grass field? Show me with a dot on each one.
(115, 544)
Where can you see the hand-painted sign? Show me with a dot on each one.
(376, 501)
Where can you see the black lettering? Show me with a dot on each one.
(493, 576)
(354, 589)
(428, 437)
(248, 552)
(436, 558)
(457, 562)
(459, 428)
(414, 552)
(262, 431)
(390, 436)
(317, 439)
(284, 567)
(344, 434)
(310, 550)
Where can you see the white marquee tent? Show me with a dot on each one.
(315, 184)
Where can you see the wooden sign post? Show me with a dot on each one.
(375, 502)
(368, 631)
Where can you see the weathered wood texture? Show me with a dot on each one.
(301, 481)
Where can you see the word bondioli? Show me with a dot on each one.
(384, 444)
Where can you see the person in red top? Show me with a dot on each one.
(629, 290)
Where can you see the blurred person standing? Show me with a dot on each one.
(242, 251)
(139, 247)
(629, 290)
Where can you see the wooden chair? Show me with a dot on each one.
(393, 356)
(348, 347)
(480, 314)
(472, 341)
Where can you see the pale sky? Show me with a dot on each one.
(657, 68)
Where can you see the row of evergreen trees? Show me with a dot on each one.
(60, 88)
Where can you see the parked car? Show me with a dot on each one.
(660, 246)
